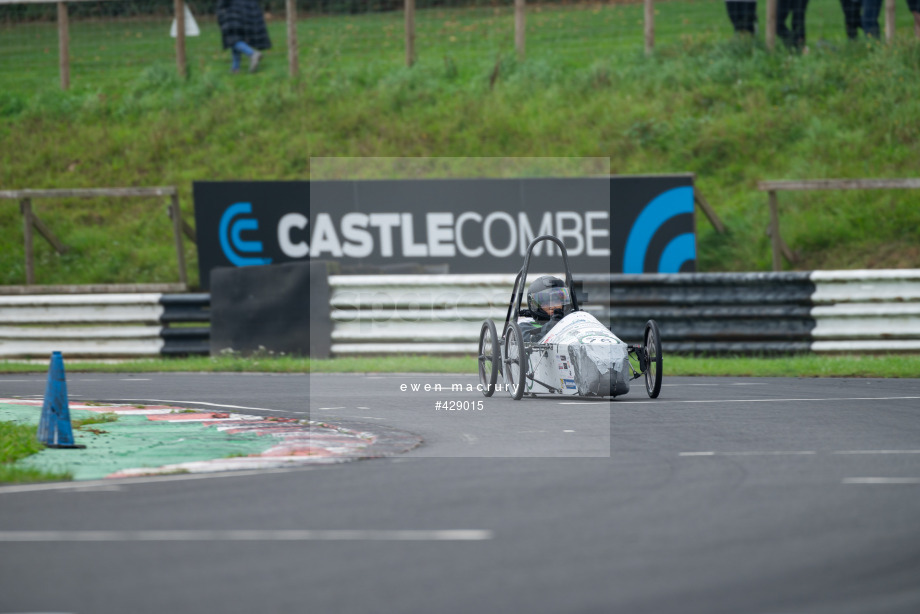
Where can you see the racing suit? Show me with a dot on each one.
(533, 330)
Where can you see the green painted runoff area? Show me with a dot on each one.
(132, 441)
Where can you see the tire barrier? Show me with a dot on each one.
(103, 325)
(711, 313)
(752, 313)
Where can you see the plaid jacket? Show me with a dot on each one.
(242, 20)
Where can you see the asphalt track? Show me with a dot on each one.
(725, 495)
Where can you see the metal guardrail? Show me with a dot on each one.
(866, 311)
(819, 311)
(696, 312)
(103, 325)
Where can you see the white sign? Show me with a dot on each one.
(191, 26)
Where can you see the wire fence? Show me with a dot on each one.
(115, 39)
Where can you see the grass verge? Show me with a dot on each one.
(17, 441)
(803, 365)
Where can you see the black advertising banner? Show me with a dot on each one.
(617, 224)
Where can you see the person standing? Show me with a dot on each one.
(795, 37)
(243, 31)
(743, 15)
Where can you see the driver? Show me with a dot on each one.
(548, 301)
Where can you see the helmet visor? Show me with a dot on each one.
(551, 299)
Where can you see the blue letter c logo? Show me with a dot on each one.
(230, 240)
(662, 208)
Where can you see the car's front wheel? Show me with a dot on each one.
(514, 360)
(489, 358)
(653, 359)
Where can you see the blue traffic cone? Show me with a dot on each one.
(54, 428)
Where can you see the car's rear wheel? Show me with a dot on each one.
(489, 357)
(514, 360)
(653, 355)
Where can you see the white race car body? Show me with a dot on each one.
(579, 356)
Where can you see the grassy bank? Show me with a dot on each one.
(805, 365)
(704, 102)
(18, 441)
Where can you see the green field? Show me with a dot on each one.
(705, 102)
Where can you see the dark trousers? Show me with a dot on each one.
(796, 36)
(870, 13)
(743, 15)
(852, 16)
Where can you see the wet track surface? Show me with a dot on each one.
(724, 495)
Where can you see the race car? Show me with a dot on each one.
(554, 347)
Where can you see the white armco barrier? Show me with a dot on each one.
(829, 311)
(415, 314)
(866, 311)
(95, 325)
(80, 325)
(80, 308)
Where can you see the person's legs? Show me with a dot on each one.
(798, 22)
(242, 47)
(870, 12)
(914, 7)
(783, 7)
(739, 14)
(254, 60)
(732, 8)
(235, 66)
(851, 17)
(749, 16)
(254, 56)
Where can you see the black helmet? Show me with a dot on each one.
(547, 295)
